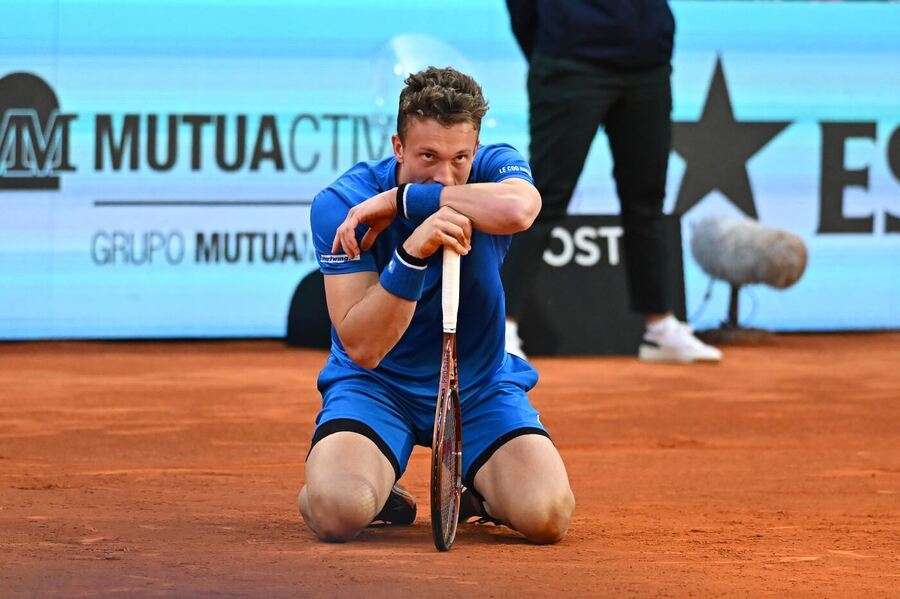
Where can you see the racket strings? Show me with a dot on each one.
(449, 475)
(446, 457)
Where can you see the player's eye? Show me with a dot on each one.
(462, 158)
(427, 155)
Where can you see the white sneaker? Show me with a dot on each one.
(513, 343)
(670, 340)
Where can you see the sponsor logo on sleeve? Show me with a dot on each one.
(514, 168)
(335, 258)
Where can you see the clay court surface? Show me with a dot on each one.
(171, 470)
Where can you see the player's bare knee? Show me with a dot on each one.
(336, 528)
(333, 524)
(546, 521)
(338, 515)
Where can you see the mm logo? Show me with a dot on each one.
(34, 135)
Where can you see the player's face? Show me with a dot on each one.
(433, 153)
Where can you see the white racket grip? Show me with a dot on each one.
(450, 289)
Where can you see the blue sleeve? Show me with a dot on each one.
(328, 212)
(496, 163)
(499, 162)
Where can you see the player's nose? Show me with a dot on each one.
(443, 174)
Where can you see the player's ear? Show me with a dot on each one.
(398, 147)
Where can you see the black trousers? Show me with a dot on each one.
(568, 102)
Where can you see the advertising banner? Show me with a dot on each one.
(158, 159)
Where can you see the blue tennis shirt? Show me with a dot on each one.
(412, 366)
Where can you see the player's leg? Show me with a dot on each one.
(359, 449)
(525, 485)
(509, 460)
(348, 480)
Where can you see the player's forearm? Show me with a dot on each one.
(496, 208)
(373, 326)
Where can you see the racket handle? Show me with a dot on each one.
(450, 289)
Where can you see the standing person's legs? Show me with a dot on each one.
(639, 130)
(565, 108)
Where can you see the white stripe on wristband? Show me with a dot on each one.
(403, 199)
(410, 260)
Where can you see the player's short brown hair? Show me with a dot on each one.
(445, 95)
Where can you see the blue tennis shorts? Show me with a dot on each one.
(491, 415)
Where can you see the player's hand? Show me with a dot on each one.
(445, 227)
(378, 212)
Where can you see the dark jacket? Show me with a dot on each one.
(620, 33)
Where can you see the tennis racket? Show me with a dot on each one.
(446, 455)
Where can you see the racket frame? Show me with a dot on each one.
(447, 405)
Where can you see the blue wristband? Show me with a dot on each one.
(404, 276)
(418, 201)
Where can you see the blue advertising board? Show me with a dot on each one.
(158, 158)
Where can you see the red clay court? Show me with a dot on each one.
(171, 470)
